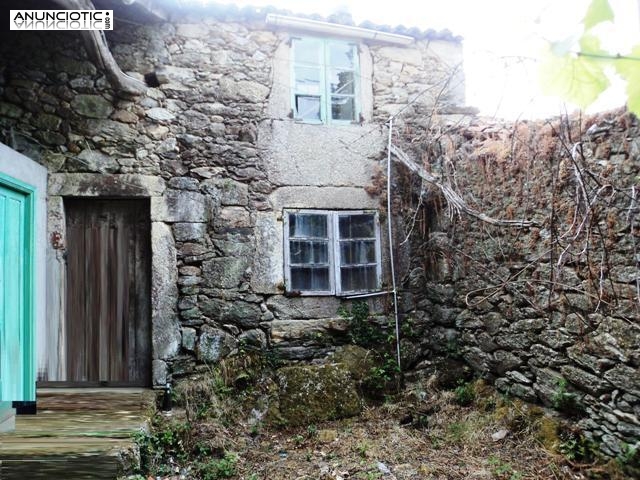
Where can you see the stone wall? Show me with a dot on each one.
(549, 313)
(212, 146)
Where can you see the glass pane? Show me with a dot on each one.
(308, 225)
(310, 278)
(341, 55)
(358, 278)
(341, 82)
(343, 108)
(307, 251)
(307, 51)
(307, 80)
(308, 107)
(357, 252)
(357, 226)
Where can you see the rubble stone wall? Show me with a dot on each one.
(550, 313)
(212, 146)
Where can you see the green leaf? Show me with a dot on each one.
(629, 70)
(590, 44)
(599, 11)
(579, 80)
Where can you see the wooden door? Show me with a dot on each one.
(17, 381)
(108, 293)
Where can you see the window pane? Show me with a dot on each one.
(358, 278)
(357, 252)
(307, 51)
(308, 225)
(307, 80)
(308, 107)
(307, 251)
(341, 82)
(357, 226)
(343, 108)
(310, 278)
(341, 55)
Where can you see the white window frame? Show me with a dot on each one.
(335, 284)
(325, 85)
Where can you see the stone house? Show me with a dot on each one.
(222, 207)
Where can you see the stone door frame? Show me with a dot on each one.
(165, 330)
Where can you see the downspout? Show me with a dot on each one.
(389, 229)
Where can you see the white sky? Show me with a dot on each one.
(502, 39)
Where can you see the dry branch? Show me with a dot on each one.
(454, 200)
(98, 50)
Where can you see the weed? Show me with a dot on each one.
(382, 378)
(312, 431)
(254, 430)
(452, 349)
(362, 448)
(407, 329)
(629, 460)
(457, 431)
(630, 455)
(370, 475)
(166, 441)
(436, 442)
(564, 400)
(214, 469)
(362, 330)
(298, 439)
(464, 393)
(503, 469)
(575, 446)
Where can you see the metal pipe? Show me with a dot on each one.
(393, 271)
(364, 295)
(336, 29)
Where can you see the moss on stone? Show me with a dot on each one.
(357, 360)
(548, 433)
(315, 393)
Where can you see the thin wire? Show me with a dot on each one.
(390, 231)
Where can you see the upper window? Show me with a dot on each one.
(331, 252)
(324, 79)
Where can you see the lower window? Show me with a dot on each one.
(331, 252)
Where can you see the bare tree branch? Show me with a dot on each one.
(98, 50)
(454, 200)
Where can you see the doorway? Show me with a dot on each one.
(107, 320)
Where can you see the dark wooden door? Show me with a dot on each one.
(108, 292)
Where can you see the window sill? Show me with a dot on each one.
(334, 123)
(345, 295)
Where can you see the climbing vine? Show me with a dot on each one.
(563, 194)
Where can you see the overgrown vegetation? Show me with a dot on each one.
(573, 210)
(366, 332)
(422, 433)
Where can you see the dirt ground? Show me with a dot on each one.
(416, 435)
(386, 442)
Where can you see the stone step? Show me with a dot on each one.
(71, 466)
(94, 399)
(77, 434)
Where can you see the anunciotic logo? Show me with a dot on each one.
(61, 20)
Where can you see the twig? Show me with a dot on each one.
(453, 198)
